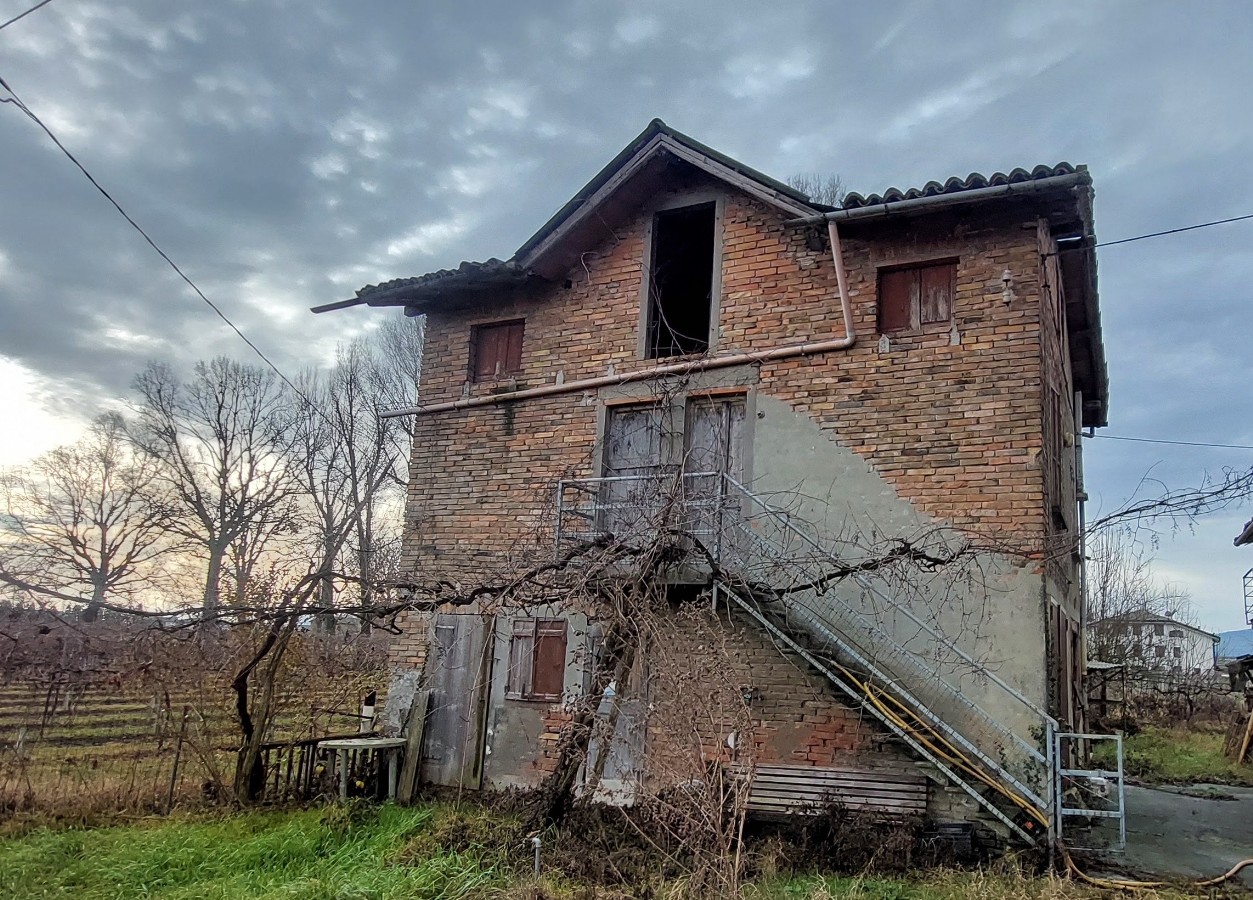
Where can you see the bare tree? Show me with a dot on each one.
(827, 189)
(350, 462)
(396, 353)
(84, 523)
(1123, 596)
(222, 443)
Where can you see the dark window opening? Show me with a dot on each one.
(496, 350)
(537, 659)
(681, 277)
(916, 296)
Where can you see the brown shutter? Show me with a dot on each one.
(496, 351)
(485, 352)
(936, 299)
(896, 294)
(549, 675)
(512, 352)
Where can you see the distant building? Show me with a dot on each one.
(1148, 641)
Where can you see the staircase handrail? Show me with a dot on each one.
(865, 583)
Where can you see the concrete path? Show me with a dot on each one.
(1170, 833)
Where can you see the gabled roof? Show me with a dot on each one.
(585, 220)
(642, 164)
(1060, 193)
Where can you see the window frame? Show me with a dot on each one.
(476, 336)
(917, 268)
(525, 650)
(677, 203)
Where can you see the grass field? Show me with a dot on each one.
(1182, 755)
(368, 852)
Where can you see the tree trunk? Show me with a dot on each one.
(213, 578)
(97, 600)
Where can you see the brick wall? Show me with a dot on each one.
(952, 418)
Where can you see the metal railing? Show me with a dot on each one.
(802, 589)
(637, 507)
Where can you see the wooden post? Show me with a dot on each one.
(1243, 754)
(178, 752)
(411, 767)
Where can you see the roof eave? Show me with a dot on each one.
(655, 140)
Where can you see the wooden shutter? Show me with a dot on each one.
(521, 655)
(512, 355)
(497, 350)
(936, 293)
(897, 293)
(549, 672)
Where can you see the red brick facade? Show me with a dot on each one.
(970, 421)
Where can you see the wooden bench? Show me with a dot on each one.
(781, 790)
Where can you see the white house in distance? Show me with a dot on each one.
(1153, 642)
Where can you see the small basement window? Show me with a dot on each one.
(495, 350)
(913, 297)
(537, 659)
(681, 279)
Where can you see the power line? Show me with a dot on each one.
(17, 101)
(1142, 237)
(24, 15)
(1139, 440)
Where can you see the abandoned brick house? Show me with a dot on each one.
(818, 380)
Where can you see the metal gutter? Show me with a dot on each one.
(682, 368)
(882, 210)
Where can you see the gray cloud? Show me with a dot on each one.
(286, 153)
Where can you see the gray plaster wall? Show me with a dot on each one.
(514, 727)
(993, 612)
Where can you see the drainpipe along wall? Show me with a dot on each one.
(683, 368)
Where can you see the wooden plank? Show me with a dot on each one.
(788, 790)
(411, 767)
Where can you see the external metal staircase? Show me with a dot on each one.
(958, 715)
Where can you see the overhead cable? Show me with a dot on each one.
(17, 101)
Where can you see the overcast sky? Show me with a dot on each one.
(286, 153)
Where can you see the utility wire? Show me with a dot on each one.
(17, 101)
(1142, 237)
(1139, 440)
(24, 15)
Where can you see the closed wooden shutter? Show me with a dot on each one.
(897, 291)
(549, 674)
(917, 296)
(521, 654)
(936, 294)
(496, 351)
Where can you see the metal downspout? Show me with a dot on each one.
(683, 368)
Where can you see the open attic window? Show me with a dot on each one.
(681, 280)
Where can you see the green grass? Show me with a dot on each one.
(1177, 755)
(307, 854)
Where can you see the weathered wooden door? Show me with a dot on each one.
(633, 490)
(713, 444)
(458, 673)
